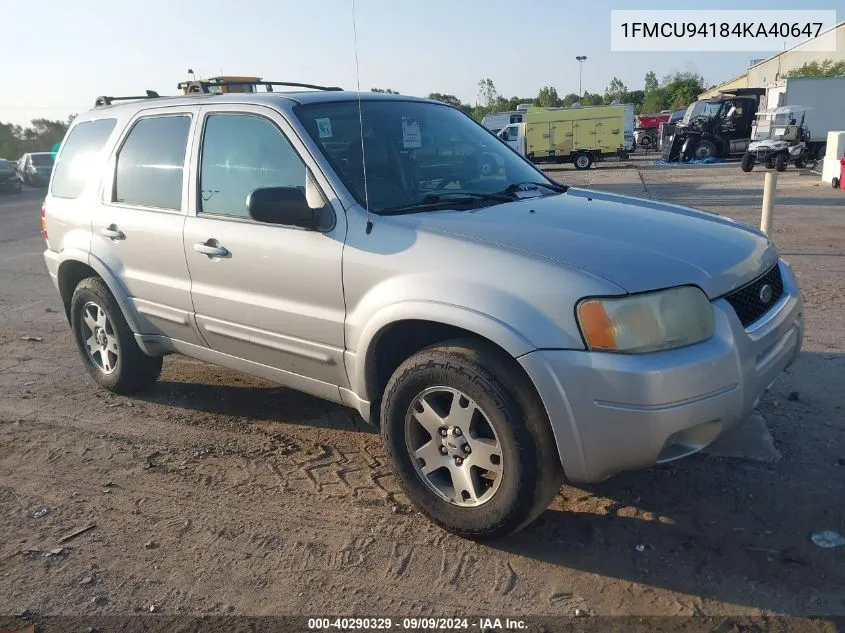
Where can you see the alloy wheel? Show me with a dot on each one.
(100, 338)
(453, 446)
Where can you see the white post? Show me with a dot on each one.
(769, 187)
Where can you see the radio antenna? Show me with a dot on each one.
(361, 123)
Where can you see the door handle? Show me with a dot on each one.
(112, 232)
(211, 248)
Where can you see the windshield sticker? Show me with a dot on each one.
(324, 126)
(411, 137)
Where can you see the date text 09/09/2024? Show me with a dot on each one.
(720, 29)
(413, 624)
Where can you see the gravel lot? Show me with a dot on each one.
(216, 493)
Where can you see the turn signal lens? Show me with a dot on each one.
(647, 322)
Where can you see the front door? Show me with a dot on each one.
(265, 293)
(137, 227)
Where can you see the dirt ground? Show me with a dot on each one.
(216, 493)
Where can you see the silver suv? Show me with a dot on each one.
(390, 254)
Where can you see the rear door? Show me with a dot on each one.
(137, 227)
(273, 294)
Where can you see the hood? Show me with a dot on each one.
(637, 244)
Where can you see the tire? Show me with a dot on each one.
(646, 142)
(118, 364)
(705, 149)
(780, 161)
(747, 163)
(835, 182)
(582, 160)
(799, 163)
(467, 374)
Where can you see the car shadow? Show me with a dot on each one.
(731, 530)
(256, 403)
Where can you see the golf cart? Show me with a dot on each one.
(778, 139)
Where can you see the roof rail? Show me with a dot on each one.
(107, 101)
(203, 87)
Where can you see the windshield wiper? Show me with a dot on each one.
(532, 186)
(446, 199)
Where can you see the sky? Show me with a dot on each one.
(59, 55)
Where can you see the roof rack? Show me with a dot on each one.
(107, 101)
(204, 87)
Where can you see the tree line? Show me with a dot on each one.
(673, 92)
(41, 135)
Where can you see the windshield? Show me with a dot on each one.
(42, 160)
(414, 151)
(707, 109)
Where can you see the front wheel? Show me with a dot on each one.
(747, 162)
(583, 160)
(705, 150)
(106, 342)
(780, 161)
(471, 448)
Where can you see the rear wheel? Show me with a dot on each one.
(799, 163)
(583, 160)
(780, 161)
(747, 162)
(471, 446)
(835, 182)
(106, 342)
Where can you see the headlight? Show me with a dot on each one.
(646, 322)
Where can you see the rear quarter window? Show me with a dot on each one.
(78, 156)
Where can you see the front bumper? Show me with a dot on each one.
(614, 412)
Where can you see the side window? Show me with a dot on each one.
(241, 153)
(151, 161)
(78, 156)
(511, 134)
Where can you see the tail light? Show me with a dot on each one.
(44, 221)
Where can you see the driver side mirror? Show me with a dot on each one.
(281, 205)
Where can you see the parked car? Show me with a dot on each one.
(9, 179)
(502, 330)
(36, 168)
(646, 129)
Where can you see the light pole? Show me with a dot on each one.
(580, 59)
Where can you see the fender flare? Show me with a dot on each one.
(118, 290)
(485, 325)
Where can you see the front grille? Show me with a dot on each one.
(746, 301)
